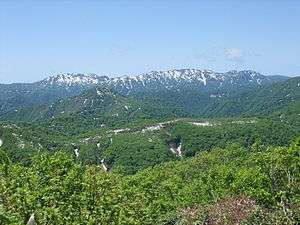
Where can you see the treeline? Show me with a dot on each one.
(254, 185)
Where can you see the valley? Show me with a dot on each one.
(144, 149)
(100, 118)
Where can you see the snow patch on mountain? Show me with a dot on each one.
(188, 75)
(202, 124)
(72, 79)
(171, 79)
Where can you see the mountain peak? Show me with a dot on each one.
(156, 80)
(74, 79)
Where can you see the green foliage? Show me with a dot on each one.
(59, 191)
(195, 138)
(4, 161)
(260, 101)
(131, 153)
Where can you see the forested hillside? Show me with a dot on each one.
(190, 154)
(173, 89)
(259, 101)
(252, 185)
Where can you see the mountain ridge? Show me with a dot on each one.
(200, 84)
(100, 104)
(95, 78)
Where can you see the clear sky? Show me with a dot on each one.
(41, 38)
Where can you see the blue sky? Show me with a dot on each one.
(38, 39)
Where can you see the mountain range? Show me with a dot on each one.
(173, 88)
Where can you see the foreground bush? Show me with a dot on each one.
(59, 191)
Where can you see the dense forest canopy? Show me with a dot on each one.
(60, 191)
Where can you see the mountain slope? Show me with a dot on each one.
(16, 96)
(203, 82)
(94, 108)
(259, 101)
(207, 80)
(194, 92)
